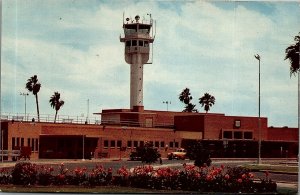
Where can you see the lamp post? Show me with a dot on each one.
(167, 102)
(83, 148)
(259, 125)
(25, 94)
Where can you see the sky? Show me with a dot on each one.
(73, 47)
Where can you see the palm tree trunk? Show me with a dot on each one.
(55, 116)
(37, 107)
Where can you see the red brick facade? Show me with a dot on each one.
(121, 128)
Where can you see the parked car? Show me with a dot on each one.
(179, 154)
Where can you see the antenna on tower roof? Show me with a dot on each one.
(150, 18)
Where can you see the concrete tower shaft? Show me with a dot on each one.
(137, 41)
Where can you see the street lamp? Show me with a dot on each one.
(83, 148)
(167, 102)
(25, 94)
(259, 128)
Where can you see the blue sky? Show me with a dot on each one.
(74, 48)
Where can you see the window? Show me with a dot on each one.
(146, 44)
(119, 143)
(32, 144)
(112, 143)
(22, 142)
(129, 144)
(13, 142)
(128, 43)
(134, 43)
(227, 134)
(28, 141)
(237, 123)
(238, 135)
(162, 144)
(141, 143)
(171, 144)
(140, 43)
(156, 144)
(248, 135)
(36, 144)
(105, 143)
(176, 144)
(135, 144)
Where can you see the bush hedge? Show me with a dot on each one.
(188, 178)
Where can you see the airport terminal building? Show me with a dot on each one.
(122, 130)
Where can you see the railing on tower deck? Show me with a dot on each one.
(80, 120)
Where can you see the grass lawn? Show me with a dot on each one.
(274, 168)
(81, 189)
(108, 190)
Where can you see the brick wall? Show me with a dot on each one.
(283, 133)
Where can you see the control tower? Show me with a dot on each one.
(137, 41)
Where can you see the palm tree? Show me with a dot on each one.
(185, 97)
(56, 103)
(207, 101)
(190, 108)
(34, 86)
(292, 53)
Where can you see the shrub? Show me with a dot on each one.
(100, 176)
(24, 174)
(5, 176)
(44, 176)
(62, 178)
(191, 177)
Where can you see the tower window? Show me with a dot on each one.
(146, 44)
(133, 42)
(128, 43)
(140, 43)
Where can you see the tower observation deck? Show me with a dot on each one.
(137, 41)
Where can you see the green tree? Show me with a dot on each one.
(292, 53)
(148, 153)
(56, 103)
(196, 151)
(207, 101)
(34, 86)
(185, 97)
